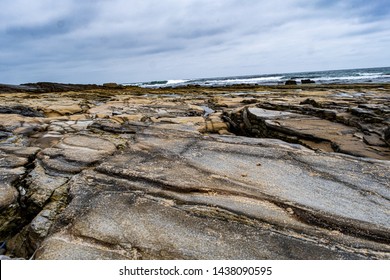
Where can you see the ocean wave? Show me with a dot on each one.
(244, 80)
(173, 82)
(162, 83)
(352, 78)
(370, 74)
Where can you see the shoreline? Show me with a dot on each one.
(46, 87)
(301, 171)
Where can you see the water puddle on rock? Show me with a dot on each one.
(207, 110)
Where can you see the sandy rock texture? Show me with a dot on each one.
(243, 172)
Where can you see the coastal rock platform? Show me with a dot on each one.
(241, 172)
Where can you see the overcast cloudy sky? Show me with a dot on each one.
(97, 41)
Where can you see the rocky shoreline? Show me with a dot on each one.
(238, 172)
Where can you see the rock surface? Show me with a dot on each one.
(195, 173)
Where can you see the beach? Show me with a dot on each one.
(242, 171)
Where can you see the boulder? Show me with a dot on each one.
(290, 82)
(307, 81)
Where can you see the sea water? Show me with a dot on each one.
(365, 75)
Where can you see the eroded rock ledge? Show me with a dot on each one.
(196, 173)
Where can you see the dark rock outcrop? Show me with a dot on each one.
(46, 87)
(20, 110)
(290, 82)
(307, 81)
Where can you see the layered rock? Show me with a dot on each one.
(311, 131)
(130, 173)
(14, 164)
(215, 197)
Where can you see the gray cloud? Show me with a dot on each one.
(124, 41)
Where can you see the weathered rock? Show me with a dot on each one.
(373, 140)
(311, 131)
(9, 209)
(53, 87)
(131, 173)
(13, 163)
(75, 153)
(63, 109)
(195, 205)
(32, 235)
(41, 187)
(311, 102)
(20, 110)
(10, 122)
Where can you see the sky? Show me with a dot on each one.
(123, 41)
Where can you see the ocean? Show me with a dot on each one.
(350, 76)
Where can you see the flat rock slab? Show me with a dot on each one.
(74, 153)
(187, 196)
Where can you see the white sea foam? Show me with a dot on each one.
(360, 77)
(245, 80)
(173, 82)
(370, 74)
